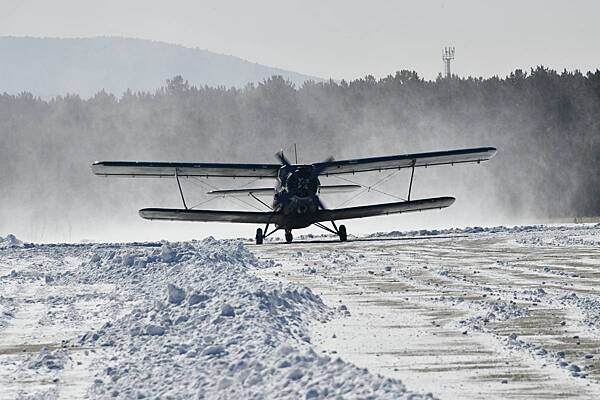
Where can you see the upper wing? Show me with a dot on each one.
(159, 169)
(407, 160)
(174, 214)
(384, 209)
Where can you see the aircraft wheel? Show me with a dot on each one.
(288, 236)
(342, 233)
(259, 236)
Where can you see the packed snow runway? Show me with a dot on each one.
(502, 313)
(477, 313)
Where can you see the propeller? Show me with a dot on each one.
(320, 167)
(317, 169)
(284, 161)
(320, 203)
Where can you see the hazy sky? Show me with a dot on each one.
(339, 39)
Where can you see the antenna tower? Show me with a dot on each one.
(447, 57)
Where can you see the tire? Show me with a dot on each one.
(259, 236)
(342, 233)
(288, 236)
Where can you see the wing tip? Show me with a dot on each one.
(492, 151)
(153, 213)
(446, 201)
(95, 167)
(145, 213)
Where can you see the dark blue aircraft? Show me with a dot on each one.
(296, 202)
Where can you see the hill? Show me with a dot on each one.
(50, 66)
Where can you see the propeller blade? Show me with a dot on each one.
(317, 169)
(282, 159)
(321, 166)
(320, 203)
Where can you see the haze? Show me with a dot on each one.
(338, 39)
(47, 145)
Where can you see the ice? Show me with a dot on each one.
(196, 298)
(48, 359)
(175, 295)
(154, 330)
(167, 254)
(213, 351)
(227, 311)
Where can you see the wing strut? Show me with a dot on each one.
(267, 233)
(412, 175)
(335, 232)
(262, 202)
(180, 191)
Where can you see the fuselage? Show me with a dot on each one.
(296, 196)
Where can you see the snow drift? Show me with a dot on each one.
(196, 324)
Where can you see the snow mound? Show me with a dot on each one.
(7, 310)
(536, 230)
(10, 241)
(204, 327)
(48, 359)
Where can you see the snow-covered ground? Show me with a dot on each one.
(463, 313)
(164, 320)
(471, 313)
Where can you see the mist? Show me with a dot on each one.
(543, 123)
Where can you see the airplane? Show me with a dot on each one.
(296, 203)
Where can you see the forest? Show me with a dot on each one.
(545, 124)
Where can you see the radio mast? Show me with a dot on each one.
(447, 57)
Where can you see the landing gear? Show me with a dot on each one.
(259, 236)
(342, 233)
(288, 236)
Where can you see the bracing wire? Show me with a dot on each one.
(200, 182)
(369, 188)
(245, 202)
(248, 183)
(203, 202)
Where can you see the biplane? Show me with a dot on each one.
(296, 203)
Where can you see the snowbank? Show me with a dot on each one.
(534, 229)
(204, 327)
(10, 241)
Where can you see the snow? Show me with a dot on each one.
(464, 313)
(168, 320)
(461, 313)
(546, 233)
(10, 241)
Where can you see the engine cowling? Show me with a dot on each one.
(302, 182)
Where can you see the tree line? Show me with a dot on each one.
(545, 124)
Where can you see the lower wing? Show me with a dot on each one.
(174, 214)
(384, 209)
(254, 217)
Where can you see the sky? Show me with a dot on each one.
(338, 39)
